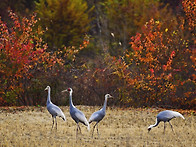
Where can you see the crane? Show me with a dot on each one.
(76, 114)
(53, 109)
(165, 116)
(99, 115)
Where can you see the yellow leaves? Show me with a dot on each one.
(157, 22)
(166, 29)
(174, 33)
(40, 31)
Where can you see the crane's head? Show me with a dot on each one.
(149, 128)
(68, 90)
(47, 88)
(108, 96)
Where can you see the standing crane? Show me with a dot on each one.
(165, 116)
(76, 114)
(99, 115)
(53, 109)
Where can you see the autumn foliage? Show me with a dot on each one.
(159, 68)
(141, 52)
(23, 53)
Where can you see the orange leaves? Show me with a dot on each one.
(136, 43)
(193, 55)
(149, 43)
(169, 62)
(189, 7)
(159, 61)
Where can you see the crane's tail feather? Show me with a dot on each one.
(182, 116)
(177, 114)
(63, 117)
(88, 127)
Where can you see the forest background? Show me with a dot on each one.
(140, 51)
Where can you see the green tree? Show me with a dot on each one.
(66, 21)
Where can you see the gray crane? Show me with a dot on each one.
(76, 114)
(165, 116)
(53, 109)
(99, 115)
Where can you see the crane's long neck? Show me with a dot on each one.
(156, 124)
(48, 99)
(105, 104)
(70, 100)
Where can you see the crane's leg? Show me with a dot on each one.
(164, 127)
(53, 122)
(56, 123)
(171, 127)
(77, 131)
(97, 130)
(79, 128)
(94, 128)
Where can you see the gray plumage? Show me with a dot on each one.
(99, 115)
(165, 116)
(76, 114)
(53, 109)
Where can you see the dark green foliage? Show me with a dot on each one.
(66, 21)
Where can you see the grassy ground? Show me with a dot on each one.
(32, 127)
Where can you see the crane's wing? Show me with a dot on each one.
(93, 117)
(81, 117)
(56, 111)
(96, 116)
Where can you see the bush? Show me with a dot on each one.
(159, 68)
(23, 59)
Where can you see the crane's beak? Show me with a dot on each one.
(149, 130)
(111, 96)
(46, 88)
(64, 91)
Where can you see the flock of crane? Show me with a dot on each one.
(97, 116)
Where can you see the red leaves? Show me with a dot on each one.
(136, 43)
(152, 72)
(169, 62)
(21, 51)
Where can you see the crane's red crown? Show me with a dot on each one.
(68, 89)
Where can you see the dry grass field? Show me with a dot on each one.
(32, 127)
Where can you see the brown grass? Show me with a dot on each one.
(32, 127)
